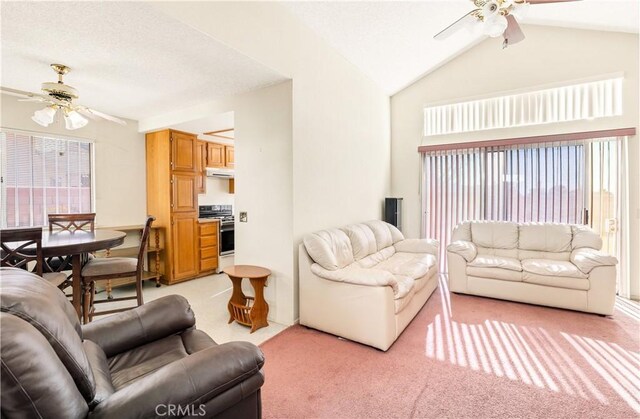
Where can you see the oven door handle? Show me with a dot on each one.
(224, 229)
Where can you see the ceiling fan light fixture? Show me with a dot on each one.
(44, 116)
(496, 26)
(73, 120)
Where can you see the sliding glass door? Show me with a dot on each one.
(574, 182)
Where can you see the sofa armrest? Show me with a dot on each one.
(370, 277)
(464, 248)
(187, 384)
(149, 322)
(418, 246)
(586, 259)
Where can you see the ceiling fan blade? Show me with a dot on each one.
(513, 34)
(457, 25)
(20, 93)
(84, 111)
(102, 115)
(549, 1)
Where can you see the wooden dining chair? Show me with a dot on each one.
(17, 250)
(106, 269)
(72, 223)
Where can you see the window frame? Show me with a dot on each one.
(54, 136)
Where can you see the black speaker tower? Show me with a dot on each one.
(393, 211)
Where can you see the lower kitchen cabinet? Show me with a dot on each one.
(184, 255)
(208, 245)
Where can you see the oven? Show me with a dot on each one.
(227, 238)
(226, 232)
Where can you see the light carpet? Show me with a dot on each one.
(463, 356)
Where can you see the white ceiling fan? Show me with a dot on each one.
(495, 18)
(59, 97)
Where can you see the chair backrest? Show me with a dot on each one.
(18, 248)
(43, 306)
(144, 240)
(72, 222)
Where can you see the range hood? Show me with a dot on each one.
(220, 172)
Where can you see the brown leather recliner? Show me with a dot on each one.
(146, 362)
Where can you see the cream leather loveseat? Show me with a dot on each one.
(365, 282)
(557, 265)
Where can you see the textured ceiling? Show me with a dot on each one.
(392, 42)
(127, 59)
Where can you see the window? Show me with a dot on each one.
(41, 175)
(574, 181)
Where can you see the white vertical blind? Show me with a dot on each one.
(596, 99)
(42, 175)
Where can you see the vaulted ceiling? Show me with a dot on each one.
(392, 42)
(131, 60)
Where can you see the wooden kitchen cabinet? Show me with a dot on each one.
(208, 244)
(215, 155)
(183, 152)
(184, 236)
(172, 172)
(229, 156)
(184, 197)
(220, 155)
(201, 170)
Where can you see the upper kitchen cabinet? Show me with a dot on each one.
(220, 155)
(215, 155)
(229, 158)
(183, 152)
(201, 170)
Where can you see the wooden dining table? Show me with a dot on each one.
(76, 244)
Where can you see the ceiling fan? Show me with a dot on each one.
(495, 18)
(59, 97)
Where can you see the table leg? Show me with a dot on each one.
(260, 307)
(237, 296)
(76, 283)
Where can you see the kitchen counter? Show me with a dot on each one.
(208, 220)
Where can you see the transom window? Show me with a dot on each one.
(41, 175)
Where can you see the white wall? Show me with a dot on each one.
(263, 184)
(547, 55)
(341, 138)
(119, 161)
(217, 193)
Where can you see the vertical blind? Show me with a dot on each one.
(596, 99)
(42, 175)
(546, 182)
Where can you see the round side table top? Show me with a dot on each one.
(247, 271)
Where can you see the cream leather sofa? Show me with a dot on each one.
(556, 265)
(365, 282)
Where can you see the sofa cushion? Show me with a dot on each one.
(556, 281)
(495, 234)
(584, 236)
(552, 267)
(545, 237)
(488, 261)
(373, 259)
(385, 233)
(363, 242)
(536, 254)
(414, 265)
(495, 273)
(331, 248)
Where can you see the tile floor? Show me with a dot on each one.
(208, 297)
